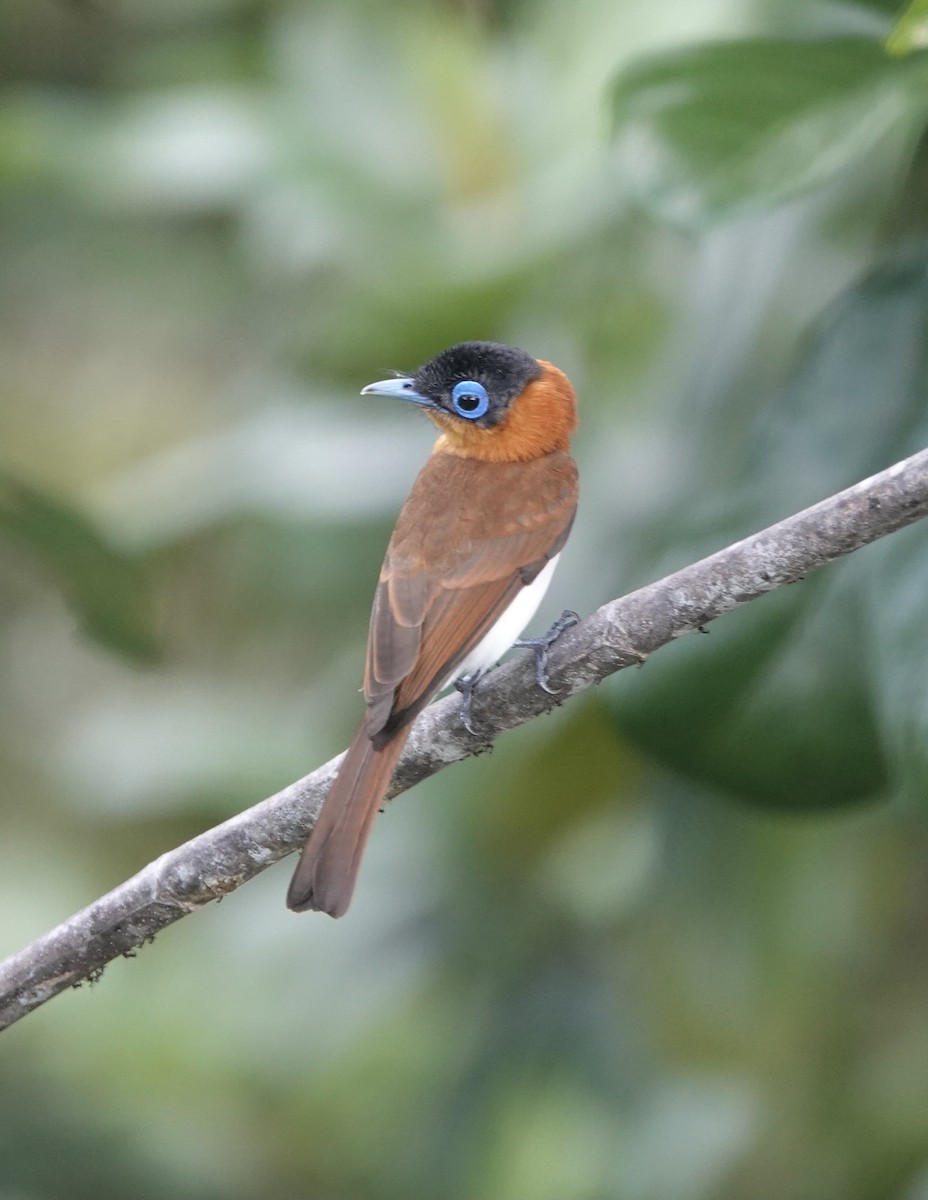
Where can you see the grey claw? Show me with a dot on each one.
(466, 685)
(541, 645)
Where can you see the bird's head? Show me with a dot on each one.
(490, 401)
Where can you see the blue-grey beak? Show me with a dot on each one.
(402, 388)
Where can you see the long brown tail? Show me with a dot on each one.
(325, 876)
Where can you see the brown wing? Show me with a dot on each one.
(470, 535)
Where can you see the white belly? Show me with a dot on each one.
(510, 625)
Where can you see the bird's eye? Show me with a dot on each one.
(469, 399)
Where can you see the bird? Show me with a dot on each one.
(471, 556)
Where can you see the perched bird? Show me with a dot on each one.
(470, 559)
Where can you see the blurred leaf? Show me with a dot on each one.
(779, 704)
(719, 129)
(773, 707)
(575, 774)
(910, 33)
(104, 587)
(857, 399)
(899, 615)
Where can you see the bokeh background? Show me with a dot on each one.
(670, 943)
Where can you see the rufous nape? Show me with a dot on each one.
(471, 557)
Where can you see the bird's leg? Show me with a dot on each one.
(466, 684)
(541, 646)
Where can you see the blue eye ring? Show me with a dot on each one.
(469, 399)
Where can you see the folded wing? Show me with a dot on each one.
(470, 536)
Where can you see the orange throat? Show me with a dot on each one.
(540, 420)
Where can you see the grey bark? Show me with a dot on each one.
(621, 633)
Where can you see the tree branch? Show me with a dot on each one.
(619, 634)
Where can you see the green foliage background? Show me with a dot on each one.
(670, 943)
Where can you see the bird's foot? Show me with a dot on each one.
(541, 646)
(466, 685)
